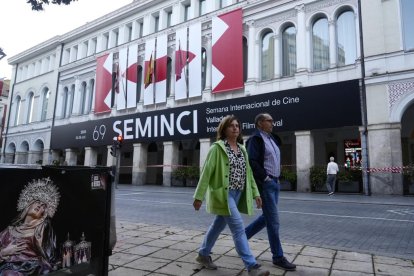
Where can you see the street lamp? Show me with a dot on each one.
(2, 54)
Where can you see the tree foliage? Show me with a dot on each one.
(37, 5)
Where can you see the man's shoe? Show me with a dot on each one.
(283, 263)
(206, 261)
(331, 193)
(257, 271)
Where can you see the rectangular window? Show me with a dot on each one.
(105, 41)
(202, 7)
(407, 11)
(128, 32)
(169, 18)
(156, 23)
(186, 12)
(141, 29)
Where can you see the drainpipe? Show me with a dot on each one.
(363, 97)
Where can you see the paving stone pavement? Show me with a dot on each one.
(144, 249)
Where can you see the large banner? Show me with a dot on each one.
(227, 52)
(316, 107)
(54, 220)
(103, 91)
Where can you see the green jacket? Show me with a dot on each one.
(214, 182)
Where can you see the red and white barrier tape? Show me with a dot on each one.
(387, 169)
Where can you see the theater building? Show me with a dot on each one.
(337, 78)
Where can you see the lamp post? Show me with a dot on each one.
(363, 95)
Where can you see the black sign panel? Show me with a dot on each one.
(315, 107)
(59, 216)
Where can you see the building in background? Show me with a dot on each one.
(4, 94)
(163, 73)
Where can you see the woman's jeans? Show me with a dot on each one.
(235, 223)
(269, 218)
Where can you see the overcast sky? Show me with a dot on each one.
(22, 28)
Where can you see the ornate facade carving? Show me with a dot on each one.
(276, 18)
(397, 90)
(323, 4)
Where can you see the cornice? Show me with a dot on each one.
(323, 4)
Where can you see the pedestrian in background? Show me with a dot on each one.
(264, 158)
(227, 181)
(331, 171)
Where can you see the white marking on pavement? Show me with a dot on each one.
(153, 201)
(129, 194)
(402, 212)
(289, 212)
(341, 216)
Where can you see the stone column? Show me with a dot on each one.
(304, 159)
(71, 157)
(110, 160)
(205, 144)
(170, 161)
(301, 39)
(34, 156)
(252, 58)
(358, 45)
(308, 51)
(209, 61)
(91, 156)
(276, 56)
(139, 164)
(332, 45)
(31, 157)
(134, 30)
(76, 106)
(20, 158)
(59, 113)
(384, 143)
(55, 156)
(89, 97)
(10, 157)
(46, 157)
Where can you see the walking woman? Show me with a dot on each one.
(228, 184)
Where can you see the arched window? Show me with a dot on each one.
(30, 103)
(245, 58)
(84, 96)
(268, 56)
(17, 110)
(320, 44)
(45, 103)
(65, 102)
(203, 68)
(346, 44)
(289, 51)
(407, 7)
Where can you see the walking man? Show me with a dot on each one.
(264, 158)
(331, 171)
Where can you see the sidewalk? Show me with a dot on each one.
(144, 249)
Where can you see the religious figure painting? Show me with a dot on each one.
(28, 243)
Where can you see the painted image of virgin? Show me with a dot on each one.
(28, 244)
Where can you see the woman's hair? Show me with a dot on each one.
(224, 124)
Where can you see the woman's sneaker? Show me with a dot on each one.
(257, 271)
(206, 261)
